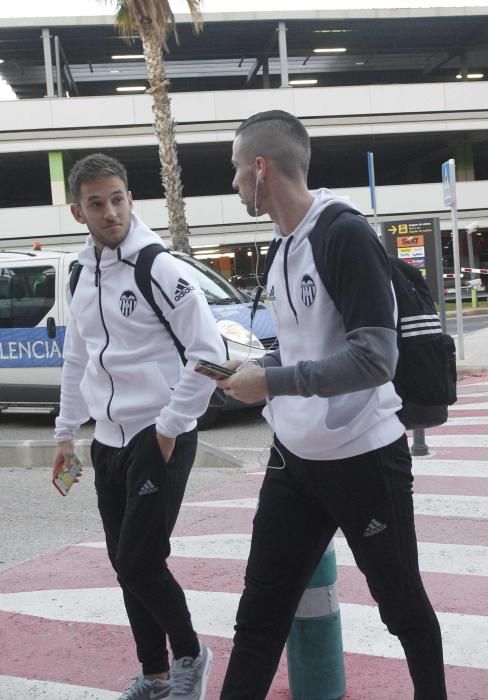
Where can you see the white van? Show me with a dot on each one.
(33, 317)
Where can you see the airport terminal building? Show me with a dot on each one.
(409, 86)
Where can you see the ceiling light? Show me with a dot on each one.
(331, 31)
(114, 71)
(339, 50)
(471, 76)
(305, 81)
(127, 57)
(213, 256)
(132, 88)
(360, 63)
(1, 60)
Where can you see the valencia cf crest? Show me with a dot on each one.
(308, 290)
(127, 302)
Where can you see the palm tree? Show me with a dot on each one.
(153, 20)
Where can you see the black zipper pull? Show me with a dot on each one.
(97, 269)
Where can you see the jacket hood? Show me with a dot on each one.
(322, 199)
(138, 237)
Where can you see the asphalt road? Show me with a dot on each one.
(470, 324)
(35, 518)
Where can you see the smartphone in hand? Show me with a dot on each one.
(63, 479)
(210, 369)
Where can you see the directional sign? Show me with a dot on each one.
(449, 182)
(412, 240)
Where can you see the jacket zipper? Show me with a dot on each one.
(285, 271)
(107, 336)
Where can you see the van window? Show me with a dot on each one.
(26, 295)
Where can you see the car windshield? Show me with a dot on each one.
(215, 287)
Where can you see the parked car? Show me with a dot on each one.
(247, 283)
(33, 317)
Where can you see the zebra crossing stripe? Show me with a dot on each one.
(450, 467)
(438, 467)
(464, 420)
(482, 406)
(456, 440)
(213, 613)
(474, 507)
(460, 559)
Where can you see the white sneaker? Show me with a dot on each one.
(189, 677)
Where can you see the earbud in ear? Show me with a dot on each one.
(258, 173)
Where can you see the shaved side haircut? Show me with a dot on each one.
(281, 138)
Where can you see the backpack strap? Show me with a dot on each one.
(318, 239)
(74, 276)
(270, 255)
(328, 215)
(144, 280)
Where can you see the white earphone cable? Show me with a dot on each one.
(262, 458)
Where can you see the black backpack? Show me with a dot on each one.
(425, 376)
(142, 276)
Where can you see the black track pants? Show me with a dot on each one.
(300, 507)
(139, 497)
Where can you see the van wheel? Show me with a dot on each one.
(208, 418)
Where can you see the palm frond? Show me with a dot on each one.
(157, 14)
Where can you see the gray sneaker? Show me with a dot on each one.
(189, 677)
(144, 689)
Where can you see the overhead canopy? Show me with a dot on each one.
(394, 46)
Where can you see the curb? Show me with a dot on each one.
(39, 453)
(470, 370)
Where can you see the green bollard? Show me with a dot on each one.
(314, 647)
(474, 298)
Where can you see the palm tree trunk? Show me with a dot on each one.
(165, 132)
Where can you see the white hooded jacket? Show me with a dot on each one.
(121, 366)
(330, 378)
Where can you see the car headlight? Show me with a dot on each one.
(238, 334)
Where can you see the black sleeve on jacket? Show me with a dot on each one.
(357, 272)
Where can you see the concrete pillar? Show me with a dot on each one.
(283, 54)
(266, 82)
(59, 75)
(48, 62)
(56, 173)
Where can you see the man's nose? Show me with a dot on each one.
(234, 184)
(110, 212)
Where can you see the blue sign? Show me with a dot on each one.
(449, 182)
(31, 347)
(372, 186)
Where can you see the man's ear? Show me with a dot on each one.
(76, 211)
(129, 197)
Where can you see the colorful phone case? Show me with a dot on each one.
(63, 480)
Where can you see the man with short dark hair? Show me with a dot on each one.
(340, 457)
(125, 369)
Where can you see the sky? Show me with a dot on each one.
(54, 8)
